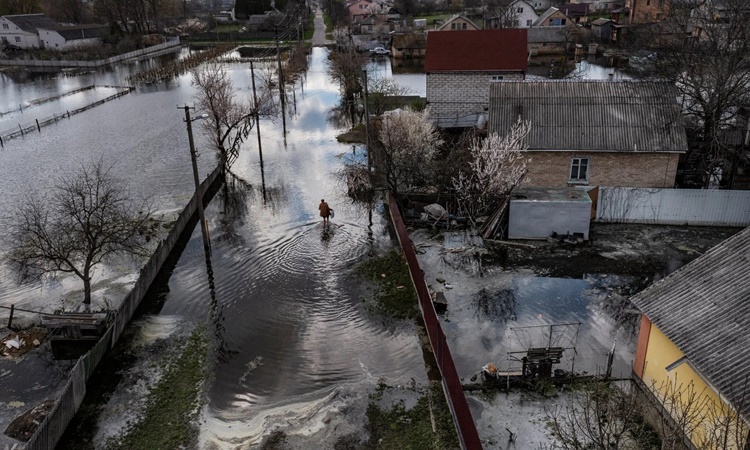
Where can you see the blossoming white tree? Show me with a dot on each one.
(407, 144)
(498, 165)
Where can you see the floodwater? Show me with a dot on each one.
(410, 74)
(293, 334)
(495, 316)
(292, 329)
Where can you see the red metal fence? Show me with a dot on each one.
(454, 394)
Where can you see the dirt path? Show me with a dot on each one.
(319, 36)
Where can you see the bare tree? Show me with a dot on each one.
(704, 48)
(383, 95)
(8, 7)
(230, 120)
(599, 417)
(687, 412)
(89, 218)
(345, 65)
(669, 415)
(407, 145)
(498, 165)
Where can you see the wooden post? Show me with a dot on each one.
(10, 319)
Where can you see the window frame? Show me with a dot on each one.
(575, 162)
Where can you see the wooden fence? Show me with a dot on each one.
(52, 428)
(452, 387)
(37, 125)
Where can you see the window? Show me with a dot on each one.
(5, 26)
(528, 22)
(453, 26)
(519, 10)
(360, 6)
(18, 40)
(579, 170)
(463, 26)
(497, 78)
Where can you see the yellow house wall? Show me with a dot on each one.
(661, 352)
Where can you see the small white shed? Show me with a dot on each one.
(537, 213)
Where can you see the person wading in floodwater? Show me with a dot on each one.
(325, 210)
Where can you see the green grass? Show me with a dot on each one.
(394, 291)
(328, 22)
(433, 17)
(173, 403)
(309, 27)
(226, 28)
(412, 429)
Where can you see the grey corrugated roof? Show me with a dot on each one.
(88, 31)
(704, 309)
(31, 22)
(574, 115)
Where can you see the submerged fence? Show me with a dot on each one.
(674, 206)
(454, 393)
(37, 125)
(52, 428)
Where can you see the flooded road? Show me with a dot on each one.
(291, 326)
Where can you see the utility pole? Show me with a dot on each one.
(198, 190)
(367, 127)
(257, 128)
(281, 84)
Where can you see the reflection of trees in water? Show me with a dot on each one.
(233, 199)
(345, 114)
(276, 196)
(495, 305)
(613, 300)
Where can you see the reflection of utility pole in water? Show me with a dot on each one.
(216, 315)
(367, 128)
(282, 94)
(257, 127)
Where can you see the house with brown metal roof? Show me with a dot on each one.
(692, 358)
(594, 133)
(460, 68)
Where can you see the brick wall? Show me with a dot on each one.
(647, 11)
(552, 169)
(462, 93)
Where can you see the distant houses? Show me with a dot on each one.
(22, 30)
(597, 133)
(461, 66)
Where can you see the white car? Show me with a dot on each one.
(380, 51)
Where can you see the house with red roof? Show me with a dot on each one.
(460, 68)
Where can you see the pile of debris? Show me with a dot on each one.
(17, 343)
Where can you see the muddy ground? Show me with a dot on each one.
(648, 251)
